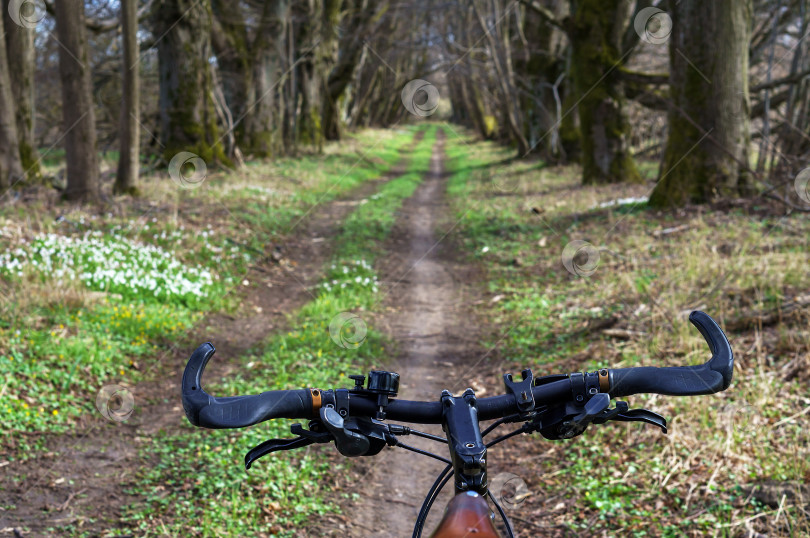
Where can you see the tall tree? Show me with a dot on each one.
(77, 102)
(250, 68)
(129, 124)
(21, 57)
(706, 153)
(316, 47)
(10, 166)
(596, 28)
(356, 18)
(187, 115)
(498, 37)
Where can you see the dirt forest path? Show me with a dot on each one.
(425, 316)
(83, 478)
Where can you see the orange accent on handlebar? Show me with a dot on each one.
(316, 401)
(604, 380)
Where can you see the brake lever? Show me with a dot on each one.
(305, 438)
(643, 415)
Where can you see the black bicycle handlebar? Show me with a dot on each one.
(713, 376)
(206, 411)
(240, 411)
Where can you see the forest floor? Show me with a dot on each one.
(453, 256)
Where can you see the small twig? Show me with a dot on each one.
(791, 417)
(787, 202)
(64, 505)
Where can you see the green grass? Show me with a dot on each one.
(516, 220)
(201, 470)
(90, 299)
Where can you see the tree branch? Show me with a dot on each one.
(790, 79)
(545, 13)
(107, 25)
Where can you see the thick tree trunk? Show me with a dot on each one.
(129, 125)
(317, 45)
(21, 57)
(706, 154)
(11, 170)
(596, 30)
(234, 59)
(349, 52)
(188, 118)
(540, 69)
(77, 103)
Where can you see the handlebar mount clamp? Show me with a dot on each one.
(383, 384)
(521, 390)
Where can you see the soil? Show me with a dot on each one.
(426, 309)
(82, 477)
(428, 315)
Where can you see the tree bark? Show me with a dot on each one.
(187, 115)
(21, 57)
(498, 39)
(706, 153)
(316, 44)
(11, 170)
(129, 125)
(350, 48)
(77, 103)
(596, 30)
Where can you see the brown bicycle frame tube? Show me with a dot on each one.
(468, 514)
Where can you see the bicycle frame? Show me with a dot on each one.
(468, 511)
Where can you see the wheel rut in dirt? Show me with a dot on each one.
(428, 322)
(83, 477)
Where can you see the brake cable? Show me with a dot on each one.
(510, 532)
(443, 478)
(423, 452)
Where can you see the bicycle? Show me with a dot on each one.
(558, 406)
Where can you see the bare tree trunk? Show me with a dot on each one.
(706, 155)
(596, 30)
(349, 52)
(10, 166)
(188, 118)
(129, 125)
(498, 39)
(21, 57)
(77, 103)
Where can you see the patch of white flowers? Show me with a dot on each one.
(109, 263)
(353, 274)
